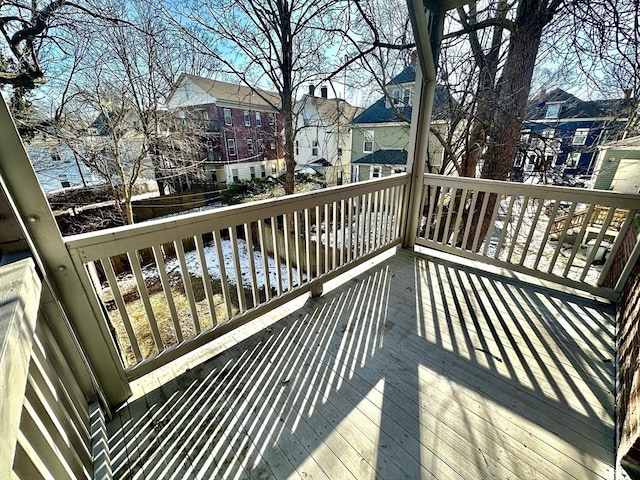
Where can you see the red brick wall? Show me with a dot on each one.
(240, 133)
(628, 394)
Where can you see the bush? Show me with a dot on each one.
(236, 192)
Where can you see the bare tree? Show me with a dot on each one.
(277, 45)
(111, 109)
(28, 28)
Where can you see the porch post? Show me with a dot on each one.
(427, 28)
(31, 209)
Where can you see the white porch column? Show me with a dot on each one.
(427, 20)
(30, 206)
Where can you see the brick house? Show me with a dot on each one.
(238, 126)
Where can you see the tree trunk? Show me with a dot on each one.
(513, 92)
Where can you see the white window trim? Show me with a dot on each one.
(374, 169)
(247, 118)
(231, 145)
(571, 155)
(369, 136)
(258, 119)
(272, 119)
(250, 145)
(315, 148)
(229, 116)
(582, 133)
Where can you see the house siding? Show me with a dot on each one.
(608, 165)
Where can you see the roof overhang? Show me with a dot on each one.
(427, 32)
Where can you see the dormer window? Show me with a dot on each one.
(553, 110)
(396, 96)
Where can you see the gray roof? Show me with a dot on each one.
(384, 157)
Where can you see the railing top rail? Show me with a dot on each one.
(551, 192)
(91, 245)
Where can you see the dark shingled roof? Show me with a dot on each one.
(573, 107)
(384, 157)
(379, 113)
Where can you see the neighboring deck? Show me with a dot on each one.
(414, 368)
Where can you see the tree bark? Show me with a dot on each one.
(513, 92)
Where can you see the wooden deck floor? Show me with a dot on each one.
(412, 369)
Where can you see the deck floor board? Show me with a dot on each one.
(412, 368)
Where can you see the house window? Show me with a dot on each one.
(406, 98)
(247, 119)
(234, 175)
(376, 171)
(572, 160)
(204, 115)
(580, 137)
(274, 169)
(548, 133)
(249, 146)
(339, 178)
(517, 163)
(553, 110)
(258, 119)
(227, 116)
(339, 152)
(272, 119)
(64, 181)
(297, 147)
(272, 144)
(549, 160)
(231, 146)
(314, 148)
(305, 118)
(263, 171)
(368, 141)
(260, 146)
(253, 172)
(525, 136)
(396, 96)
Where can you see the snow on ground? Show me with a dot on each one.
(211, 258)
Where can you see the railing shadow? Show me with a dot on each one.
(414, 369)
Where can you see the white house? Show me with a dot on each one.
(323, 139)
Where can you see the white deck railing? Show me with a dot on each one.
(576, 237)
(171, 285)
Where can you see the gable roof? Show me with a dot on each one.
(407, 75)
(230, 92)
(573, 107)
(380, 113)
(390, 156)
(332, 111)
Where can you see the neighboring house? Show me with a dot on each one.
(380, 134)
(243, 139)
(618, 166)
(323, 138)
(57, 168)
(561, 133)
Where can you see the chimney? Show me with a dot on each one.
(312, 90)
(323, 92)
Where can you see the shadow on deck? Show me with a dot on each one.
(412, 369)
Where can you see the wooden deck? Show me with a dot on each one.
(411, 369)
